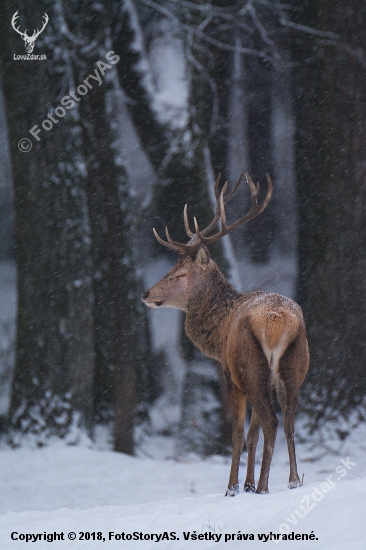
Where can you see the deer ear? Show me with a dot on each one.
(203, 257)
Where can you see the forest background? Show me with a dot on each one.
(192, 89)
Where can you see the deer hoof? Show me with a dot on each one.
(249, 487)
(262, 491)
(294, 484)
(232, 491)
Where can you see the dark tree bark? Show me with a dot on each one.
(75, 233)
(285, 210)
(53, 382)
(331, 152)
(115, 283)
(6, 189)
(259, 79)
(120, 341)
(237, 140)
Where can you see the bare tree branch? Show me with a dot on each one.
(330, 38)
(264, 35)
(203, 36)
(309, 30)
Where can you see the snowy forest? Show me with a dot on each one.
(125, 111)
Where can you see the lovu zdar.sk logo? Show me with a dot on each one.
(29, 41)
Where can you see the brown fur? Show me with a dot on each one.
(261, 342)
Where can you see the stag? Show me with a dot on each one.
(259, 337)
(29, 40)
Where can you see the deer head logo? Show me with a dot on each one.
(29, 40)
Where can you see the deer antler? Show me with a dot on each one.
(199, 238)
(179, 247)
(217, 214)
(255, 210)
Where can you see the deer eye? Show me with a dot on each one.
(180, 275)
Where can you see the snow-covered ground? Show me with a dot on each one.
(89, 489)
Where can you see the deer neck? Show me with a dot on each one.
(208, 312)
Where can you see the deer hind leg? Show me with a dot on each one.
(288, 405)
(287, 388)
(252, 440)
(262, 404)
(238, 401)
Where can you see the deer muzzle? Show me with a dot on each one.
(150, 303)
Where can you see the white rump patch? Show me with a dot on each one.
(274, 355)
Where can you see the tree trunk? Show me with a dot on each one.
(331, 151)
(260, 230)
(118, 336)
(285, 209)
(54, 375)
(237, 143)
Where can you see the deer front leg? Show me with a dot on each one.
(238, 401)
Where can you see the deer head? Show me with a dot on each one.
(188, 277)
(29, 40)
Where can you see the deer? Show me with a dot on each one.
(259, 337)
(29, 40)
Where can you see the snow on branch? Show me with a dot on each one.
(198, 30)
